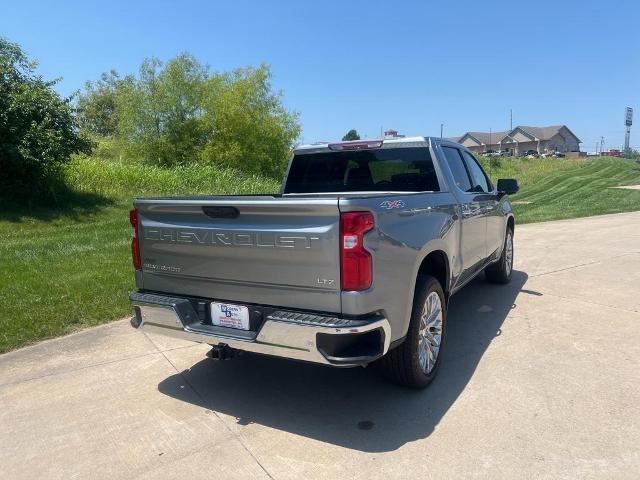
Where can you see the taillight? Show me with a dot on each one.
(135, 244)
(355, 260)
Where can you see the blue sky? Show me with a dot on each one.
(368, 64)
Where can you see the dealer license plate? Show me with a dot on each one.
(226, 315)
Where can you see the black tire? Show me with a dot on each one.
(500, 272)
(402, 364)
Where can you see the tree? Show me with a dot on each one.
(38, 129)
(97, 106)
(179, 113)
(159, 113)
(633, 154)
(248, 126)
(351, 135)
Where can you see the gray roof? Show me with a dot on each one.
(488, 137)
(543, 133)
(398, 141)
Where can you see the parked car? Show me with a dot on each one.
(613, 153)
(355, 261)
(504, 153)
(531, 153)
(491, 153)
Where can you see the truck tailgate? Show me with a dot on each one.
(263, 250)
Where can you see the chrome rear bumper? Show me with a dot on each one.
(301, 336)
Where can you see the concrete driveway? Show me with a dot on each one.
(541, 379)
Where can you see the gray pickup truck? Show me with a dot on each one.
(353, 262)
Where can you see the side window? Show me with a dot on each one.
(479, 179)
(458, 169)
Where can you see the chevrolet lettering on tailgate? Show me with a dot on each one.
(237, 239)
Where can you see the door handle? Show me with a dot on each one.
(468, 210)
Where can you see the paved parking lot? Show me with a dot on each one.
(540, 380)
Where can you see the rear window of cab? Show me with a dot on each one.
(377, 170)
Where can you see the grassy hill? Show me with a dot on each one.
(68, 266)
(557, 188)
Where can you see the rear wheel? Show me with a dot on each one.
(415, 362)
(500, 272)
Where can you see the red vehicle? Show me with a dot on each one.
(612, 153)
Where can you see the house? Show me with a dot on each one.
(392, 134)
(521, 139)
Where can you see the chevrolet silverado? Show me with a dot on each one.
(353, 262)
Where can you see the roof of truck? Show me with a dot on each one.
(399, 141)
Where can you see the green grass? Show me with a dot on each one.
(557, 188)
(67, 266)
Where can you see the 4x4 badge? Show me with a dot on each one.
(389, 204)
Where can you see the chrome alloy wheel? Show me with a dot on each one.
(430, 333)
(508, 254)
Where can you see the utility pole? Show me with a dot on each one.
(441, 126)
(601, 145)
(596, 148)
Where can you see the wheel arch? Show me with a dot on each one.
(436, 264)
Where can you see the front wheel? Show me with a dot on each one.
(415, 362)
(500, 272)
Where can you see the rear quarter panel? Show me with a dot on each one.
(407, 228)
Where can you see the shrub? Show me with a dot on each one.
(178, 113)
(38, 131)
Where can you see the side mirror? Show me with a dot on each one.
(508, 186)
